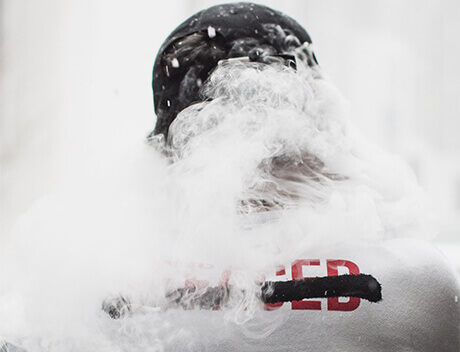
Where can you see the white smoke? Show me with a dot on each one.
(272, 138)
(264, 169)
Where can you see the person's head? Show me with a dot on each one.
(193, 50)
(240, 101)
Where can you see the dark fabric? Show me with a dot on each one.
(192, 51)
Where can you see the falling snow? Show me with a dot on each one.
(175, 63)
(211, 32)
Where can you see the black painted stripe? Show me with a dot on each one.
(363, 286)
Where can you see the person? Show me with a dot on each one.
(203, 71)
(268, 223)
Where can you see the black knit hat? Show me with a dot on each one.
(193, 50)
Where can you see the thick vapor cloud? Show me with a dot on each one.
(267, 167)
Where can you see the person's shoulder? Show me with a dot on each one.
(422, 260)
(420, 264)
(428, 286)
